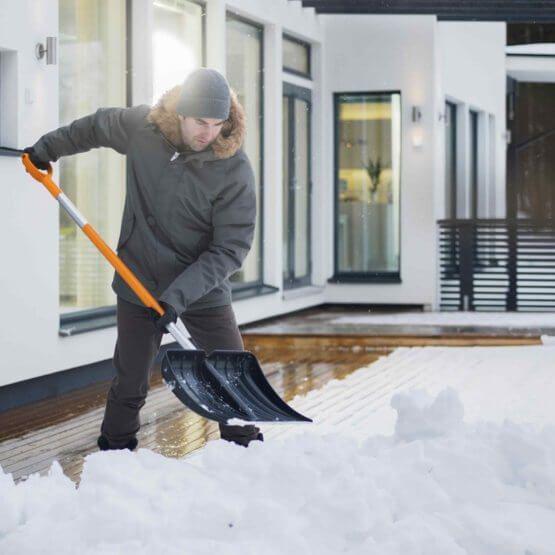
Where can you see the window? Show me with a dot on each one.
(367, 177)
(451, 159)
(296, 56)
(90, 33)
(296, 186)
(244, 73)
(177, 42)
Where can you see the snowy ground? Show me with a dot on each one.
(412, 455)
(458, 319)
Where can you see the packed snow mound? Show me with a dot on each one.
(419, 416)
(430, 489)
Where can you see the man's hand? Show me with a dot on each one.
(37, 162)
(170, 317)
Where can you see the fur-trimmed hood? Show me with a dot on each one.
(229, 141)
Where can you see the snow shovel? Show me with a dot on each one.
(222, 386)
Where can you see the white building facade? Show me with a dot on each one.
(401, 71)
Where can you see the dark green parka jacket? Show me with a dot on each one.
(189, 217)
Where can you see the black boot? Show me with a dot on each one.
(104, 444)
(242, 435)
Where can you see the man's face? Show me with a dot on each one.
(199, 133)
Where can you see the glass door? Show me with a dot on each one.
(367, 186)
(296, 186)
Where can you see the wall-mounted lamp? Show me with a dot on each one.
(417, 137)
(416, 114)
(50, 50)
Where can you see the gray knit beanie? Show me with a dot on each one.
(205, 94)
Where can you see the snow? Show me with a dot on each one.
(458, 319)
(431, 451)
(419, 416)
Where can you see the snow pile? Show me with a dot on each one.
(419, 416)
(437, 486)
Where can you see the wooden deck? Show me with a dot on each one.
(66, 428)
(295, 362)
(324, 323)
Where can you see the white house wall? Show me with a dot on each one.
(350, 53)
(382, 53)
(29, 339)
(473, 75)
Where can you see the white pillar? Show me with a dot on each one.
(273, 159)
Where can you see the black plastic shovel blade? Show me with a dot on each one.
(225, 385)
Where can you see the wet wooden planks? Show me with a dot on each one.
(66, 428)
(334, 321)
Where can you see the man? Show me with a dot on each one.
(188, 224)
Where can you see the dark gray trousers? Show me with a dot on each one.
(137, 345)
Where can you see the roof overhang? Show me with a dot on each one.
(523, 11)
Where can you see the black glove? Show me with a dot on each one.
(37, 162)
(170, 317)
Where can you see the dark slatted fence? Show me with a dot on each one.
(497, 265)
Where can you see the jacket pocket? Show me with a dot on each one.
(127, 226)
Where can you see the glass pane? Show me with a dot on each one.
(368, 151)
(176, 43)
(296, 56)
(286, 160)
(244, 73)
(91, 32)
(302, 232)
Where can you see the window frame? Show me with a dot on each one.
(474, 168)
(451, 112)
(292, 92)
(77, 321)
(308, 46)
(361, 277)
(255, 285)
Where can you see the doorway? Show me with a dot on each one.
(531, 151)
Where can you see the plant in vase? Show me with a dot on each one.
(374, 170)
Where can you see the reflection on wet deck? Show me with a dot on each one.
(357, 321)
(66, 428)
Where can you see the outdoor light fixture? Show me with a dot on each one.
(50, 50)
(416, 114)
(417, 133)
(417, 138)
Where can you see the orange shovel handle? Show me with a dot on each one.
(127, 275)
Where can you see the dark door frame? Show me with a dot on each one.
(474, 123)
(356, 276)
(292, 92)
(511, 204)
(451, 112)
